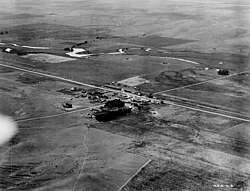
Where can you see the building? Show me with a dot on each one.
(223, 72)
(67, 105)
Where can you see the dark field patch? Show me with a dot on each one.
(243, 78)
(132, 126)
(6, 70)
(23, 16)
(32, 79)
(236, 8)
(175, 15)
(42, 30)
(152, 41)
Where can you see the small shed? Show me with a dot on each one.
(223, 72)
(67, 105)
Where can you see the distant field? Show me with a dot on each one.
(99, 70)
(23, 16)
(134, 81)
(47, 58)
(153, 41)
(215, 24)
(224, 93)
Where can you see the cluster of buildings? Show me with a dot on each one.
(116, 104)
(121, 103)
(74, 92)
(130, 98)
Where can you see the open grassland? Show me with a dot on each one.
(198, 140)
(217, 24)
(188, 153)
(56, 150)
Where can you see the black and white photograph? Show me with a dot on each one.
(125, 95)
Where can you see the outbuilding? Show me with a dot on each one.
(223, 72)
(67, 105)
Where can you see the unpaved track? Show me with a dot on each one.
(205, 105)
(211, 112)
(196, 84)
(56, 77)
(84, 160)
(137, 172)
(107, 89)
(57, 115)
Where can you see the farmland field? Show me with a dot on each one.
(189, 125)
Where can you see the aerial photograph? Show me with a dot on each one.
(135, 95)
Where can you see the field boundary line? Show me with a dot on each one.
(57, 77)
(3, 157)
(84, 161)
(57, 115)
(235, 126)
(210, 112)
(174, 58)
(182, 87)
(137, 172)
(204, 106)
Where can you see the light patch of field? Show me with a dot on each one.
(134, 81)
(208, 122)
(48, 58)
(241, 131)
(216, 157)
